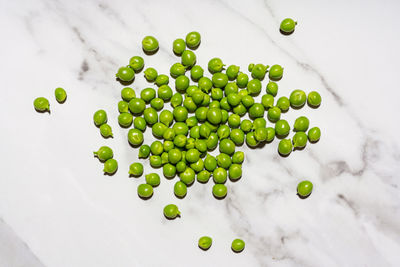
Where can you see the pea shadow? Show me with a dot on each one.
(134, 176)
(275, 79)
(302, 197)
(145, 198)
(171, 219)
(148, 53)
(237, 252)
(62, 102)
(125, 83)
(313, 142)
(180, 197)
(220, 198)
(235, 180)
(313, 107)
(110, 174)
(194, 48)
(44, 111)
(134, 146)
(299, 107)
(204, 249)
(285, 33)
(299, 148)
(281, 136)
(284, 156)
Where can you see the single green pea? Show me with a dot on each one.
(224, 116)
(180, 128)
(242, 80)
(181, 166)
(251, 141)
(238, 157)
(110, 166)
(214, 115)
(136, 63)
(299, 140)
(99, 117)
(178, 46)
(224, 104)
(237, 245)
(164, 158)
(195, 132)
(205, 131)
(247, 101)
(243, 92)
(301, 124)
(137, 106)
(60, 94)
(145, 191)
(224, 160)
(246, 125)
(212, 127)
(136, 169)
(171, 211)
(177, 69)
(150, 115)
(125, 119)
(219, 191)
(187, 176)
(254, 87)
(217, 93)
(206, 100)
(196, 72)
(158, 129)
(176, 100)
(106, 131)
(192, 121)
(205, 84)
(203, 176)
(123, 106)
(104, 153)
(259, 71)
(180, 140)
(169, 134)
(219, 79)
(261, 134)
(212, 141)
(198, 97)
(149, 44)
(250, 67)
(125, 74)
(197, 166)
(152, 179)
(272, 88)
(270, 134)
(304, 188)
(188, 58)
(314, 134)
(157, 104)
(189, 104)
(162, 79)
(201, 114)
(227, 146)
(192, 155)
(168, 145)
(155, 161)
(288, 25)
(285, 147)
(174, 156)
(169, 170)
(234, 99)
(215, 65)
(314, 99)
(181, 83)
(193, 39)
(139, 123)
(180, 189)
(297, 98)
(232, 72)
(223, 131)
(234, 121)
(282, 128)
(192, 89)
(259, 123)
(275, 72)
(267, 101)
(240, 110)
(156, 148)
(210, 163)
(190, 143)
(237, 136)
(135, 137)
(283, 103)
(220, 175)
(180, 113)
(235, 172)
(166, 117)
(274, 114)
(256, 111)
(215, 104)
(201, 145)
(231, 88)
(148, 94)
(128, 94)
(144, 151)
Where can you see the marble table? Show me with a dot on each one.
(57, 209)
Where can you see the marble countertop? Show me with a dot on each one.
(57, 208)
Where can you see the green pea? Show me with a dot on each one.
(243, 92)
(205, 84)
(110, 166)
(235, 172)
(301, 124)
(227, 146)
(215, 65)
(180, 113)
(128, 94)
(181, 166)
(135, 137)
(99, 117)
(60, 94)
(231, 88)
(176, 100)
(104, 153)
(250, 67)
(275, 72)
(164, 158)
(136, 169)
(237, 245)
(168, 145)
(106, 131)
(259, 71)
(254, 87)
(237, 136)
(267, 101)
(196, 73)
(149, 44)
(283, 103)
(210, 163)
(125, 74)
(137, 106)
(180, 189)
(155, 161)
(162, 79)
(166, 117)
(272, 88)
(195, 132)
(314, 99)
(299, 140)
(197, 166)
(314, 134)
(274, 114)
(157, 104)
(212, 141)
(214, 115)
(234, 99)
(270, 134)
(198, 97)
(285, 147)
(136, 63)
(282, 128)
(180, 128)
(219, 79)
(150, 74)
(193, 39)
(232, 72)
(217, 93)
(148, 94)
(205, 131)
(169, 170)
(181, 83)
(180, 140)
(139, 123)
(171, 211)
(190, 143)
(191, 121)
(238, 157)
(304, 188)
(242, 80)
(164, 92)
(288, 25)
(261, 134)
(214, 104)
(192, 89)
(123, 106)
(187, 176)
(178, 46)
(153, 179)
(201, 145)
(174, 156)
(247, 101)
(203, 176)
(144, 151)
(246, 125)
(189, 104)
(297, 98)
(223, 131)
(256, 111)
(201, 114)
(234, 121)
(224, 116)
(156, 148)
(220, 175)
(219, 191)
(224, 160)
(206, 100)
(188, 58)
(169, 134)
(177, 69)
(150, 115)
(251, 141)
(259, 123)
(240, 110)
(145, 191)
(192, 155)
(125, 119)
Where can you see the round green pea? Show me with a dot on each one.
(144, 151)
(299, 140)
(135, 137)
(285, 147)
(123, 106)
(259, 123)
(234, 121)
(224, 160)
(195, 132)
(100, 117)
(232, 72)
(270, 134)
(104, 153)
(180, 140)
(176, 100)
(164, 92)
(314, 134)
(240, 110)
(235, 172)
(139, 123)
(250, 67)
(192, 89)
(272, 88)
(242, 80)
(223, 131)
(210, 163)
(174, 156)
(197, 166)
(192, 121)
(180, 189)
(180, 113)
(205, 131)
(198, 97)
(168, 145)
(304, 188)
(180, 128)
(181, 166)
(187, 176)
(201, 145)
(237, 245)
(243, 92)
(314, 99)
(219, 191)
(238, 157)
(234, 99)
(169, 170)
(150, 115)
(189, 104)
(251, 141)
(149, 44)
(227, 146)
(247, 101)
(283, 103)
(181, 83)
(246, 125)
(136, 63)
(259, 71)
(177, 69)
(220, 175)
(203, 176)
(254, 87)
(156, 148)
(214, 115)
(231, 88)
(193, 40)
(205, 84)
(301, 124)
(219, 79)
(169, 134)
(178, 46)
(282, 128)
(145, 191)
(125, 119)
(162, 79)
(288, 25)
(297, 98)
(267, 101)
(137, 106)
(148, 94)
(155, 161)
(215, 104)
(128, 94)
(136, 169)
(188, 58)
(256, 111)
(105, 130)
(212, 141)
(125, 74)
(153, 179)
(274, 114)
(192, 155)
(166, 117)
(261, 134)
(110, 166)
(196, 72)
(157, 103)
(217, 93)
(225, 116)
(215, 65)
(171, 211)
(275, 72)
(60, 94)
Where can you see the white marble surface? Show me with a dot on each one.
(56, 207)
